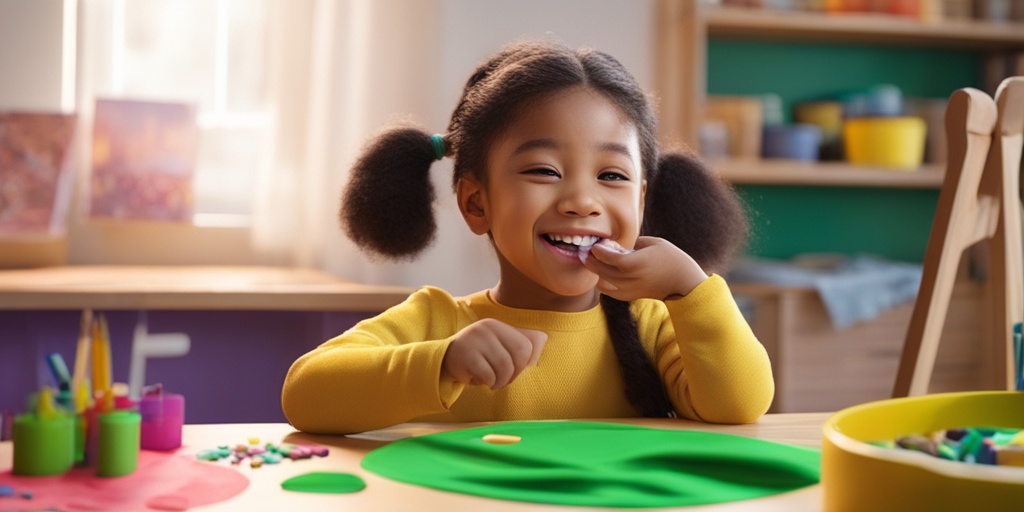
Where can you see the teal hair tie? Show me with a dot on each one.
(437, 141)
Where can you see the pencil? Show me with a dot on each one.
(81, 354)
(101, 379)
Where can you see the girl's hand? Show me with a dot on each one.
(656, 269)
(492, 353)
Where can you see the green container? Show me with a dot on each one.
(43, 446)
(118, 443)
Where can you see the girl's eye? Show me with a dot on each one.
(543, 171)
(613, 176)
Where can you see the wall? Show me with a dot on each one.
(31, 46)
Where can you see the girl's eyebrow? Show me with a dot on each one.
(547, 143)
(536, 144)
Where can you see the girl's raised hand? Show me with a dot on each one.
(492, 353)
(655, 269)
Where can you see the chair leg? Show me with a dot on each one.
(960, 221)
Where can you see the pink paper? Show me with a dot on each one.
(163, 481)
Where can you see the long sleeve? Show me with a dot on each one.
(383, 371)
(713, 366)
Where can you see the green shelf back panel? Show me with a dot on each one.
(801, 71)
(789, 220)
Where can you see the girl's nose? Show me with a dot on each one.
(579, 199)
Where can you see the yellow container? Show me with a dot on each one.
(891, 142)
(857, 476)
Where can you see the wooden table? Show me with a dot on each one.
(191, 288)
(265, 493)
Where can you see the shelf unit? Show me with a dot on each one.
(686, 25)
(802, 204)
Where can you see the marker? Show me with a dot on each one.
(59, 371)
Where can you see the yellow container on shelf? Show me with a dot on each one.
(858, 476)
(892, 142)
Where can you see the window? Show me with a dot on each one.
(211, 53)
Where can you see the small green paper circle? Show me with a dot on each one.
(325, 483)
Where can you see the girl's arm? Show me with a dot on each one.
(384, 371)
(713, 366)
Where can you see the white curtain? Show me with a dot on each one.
(340, 71)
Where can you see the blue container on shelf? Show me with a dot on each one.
(798, 141)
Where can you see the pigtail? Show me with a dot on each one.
(644, 388)
(690, 206)
(387, 206)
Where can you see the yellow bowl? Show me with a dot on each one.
(858, 476)
(891, 142)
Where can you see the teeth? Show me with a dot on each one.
(579, 240)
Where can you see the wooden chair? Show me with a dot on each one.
(979, 200)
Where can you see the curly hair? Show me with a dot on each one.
(387, 206)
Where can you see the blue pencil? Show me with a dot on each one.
(59, 371)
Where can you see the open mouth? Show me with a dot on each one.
(578, 245)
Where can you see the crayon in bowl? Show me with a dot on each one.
(974, 445)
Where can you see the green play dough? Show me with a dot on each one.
(598, 464)
(325, 482)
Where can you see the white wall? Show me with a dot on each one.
(31, 44)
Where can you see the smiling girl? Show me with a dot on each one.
(604, 307)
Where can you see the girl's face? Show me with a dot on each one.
(565, 174)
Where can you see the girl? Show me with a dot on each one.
(556, 161)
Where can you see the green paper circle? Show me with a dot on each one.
(598, 464)
(324, 482)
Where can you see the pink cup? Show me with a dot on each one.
(163, 415)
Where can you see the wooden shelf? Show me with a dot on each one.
(861, 27)
(794, 172)
(190, 288)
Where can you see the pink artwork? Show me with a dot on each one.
(36, 175)
(143, 157)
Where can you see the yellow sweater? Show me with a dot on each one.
(387, 369)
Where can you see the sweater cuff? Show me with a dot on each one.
(448, 389)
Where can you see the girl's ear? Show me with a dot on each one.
(470, 194)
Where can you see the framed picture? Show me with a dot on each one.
(143, 160)
(36, 173)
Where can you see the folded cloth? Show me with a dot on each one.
(853, 289)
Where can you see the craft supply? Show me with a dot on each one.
(324, 482)
(101, 371)
(81, 360)
(584, 250)
(60, 372)
(163, 481)
(163, 416)
(597, 464)
(268, 453)
(972, 445)
(118, 443)
(44, 440)
(501, 439)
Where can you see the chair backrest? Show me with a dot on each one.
(979, 200)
